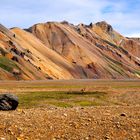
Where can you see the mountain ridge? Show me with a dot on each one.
(60, 50)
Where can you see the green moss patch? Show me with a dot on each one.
(7, 64)
(60, 98)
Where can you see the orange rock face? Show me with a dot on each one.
(63, 51)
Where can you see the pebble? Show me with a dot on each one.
(118, 124)
(134, 130)
(18, 139)
(107, 137)
(89, 120)
(2, 139)
(87, 138)
(65, 114)
(51, 127)
(107, 114)
(123, 115)
(86, 124)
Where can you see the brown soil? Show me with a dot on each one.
(118, 119)
(88, 123)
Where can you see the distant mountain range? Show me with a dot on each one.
(56, 50)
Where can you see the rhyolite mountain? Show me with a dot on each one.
(62, 50)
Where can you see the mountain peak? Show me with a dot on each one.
(105, 26)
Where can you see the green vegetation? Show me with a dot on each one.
(116, 68)
(115, 65)
(127, 87)
(137, 72)
(61, 99)
(7, 64)
(60, 104)
(88, 103)
(111, 44)
(71, 93)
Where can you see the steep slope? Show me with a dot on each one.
(12, 63)
(96, 49)
(48, 61)
(23, 56)
(64, 51)
(133, 45)
(106, 32)
(136, 39)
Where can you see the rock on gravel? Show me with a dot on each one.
(8, 102)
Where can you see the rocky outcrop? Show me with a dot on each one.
(8, 102)
(105, 26)
(134, 38)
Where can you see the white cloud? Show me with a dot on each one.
(121, 14)
(134, 35)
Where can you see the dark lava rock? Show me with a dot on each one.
(8, 102)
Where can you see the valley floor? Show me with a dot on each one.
(72, 110)
(88, 123)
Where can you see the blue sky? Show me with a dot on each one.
(123, 15)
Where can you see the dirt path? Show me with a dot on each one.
(88, 123)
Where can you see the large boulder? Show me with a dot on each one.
(8, 102)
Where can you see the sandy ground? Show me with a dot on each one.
(88, 123)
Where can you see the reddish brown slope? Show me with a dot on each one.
(106, 32)
(46, 59)
(64, 51)
(23, 56)
(136, 39)
(95, 49)
(12, 65)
